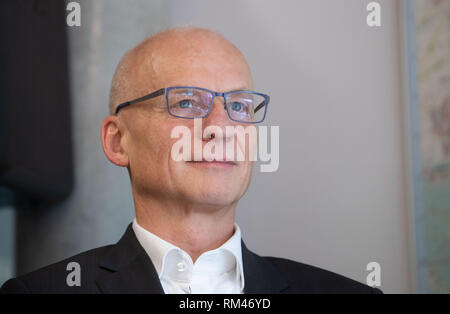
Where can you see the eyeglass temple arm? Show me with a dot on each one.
(159, 92)
(261, 105)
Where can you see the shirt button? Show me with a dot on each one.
(181, 267)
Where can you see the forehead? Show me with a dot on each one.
(210, 62)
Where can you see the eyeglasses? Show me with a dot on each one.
(189, 102)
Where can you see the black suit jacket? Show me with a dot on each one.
(126, 268)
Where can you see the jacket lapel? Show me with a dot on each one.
(260, 275)
(131, 270)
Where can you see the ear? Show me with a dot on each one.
(112, 141)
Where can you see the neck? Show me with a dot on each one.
(193, 228)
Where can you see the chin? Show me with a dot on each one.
(212, 186)
(213, 196)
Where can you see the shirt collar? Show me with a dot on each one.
(158, 249)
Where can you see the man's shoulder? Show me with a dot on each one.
(54, 277)
(304, 278)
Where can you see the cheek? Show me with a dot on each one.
(248, 146)
(247, 172)
(150, 145)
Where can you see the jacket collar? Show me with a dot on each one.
(132, 271)
(260, 275)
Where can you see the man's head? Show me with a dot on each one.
(139, 137)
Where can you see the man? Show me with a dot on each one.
(184, 238)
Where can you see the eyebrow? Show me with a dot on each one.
(240, 89)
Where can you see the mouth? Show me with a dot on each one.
(213, 163)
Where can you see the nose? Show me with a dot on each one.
(217, 118)
(218, 114)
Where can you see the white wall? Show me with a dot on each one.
(338, 198)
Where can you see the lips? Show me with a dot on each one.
(215, 161)
(205, 162)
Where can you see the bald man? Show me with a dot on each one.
(184, 238)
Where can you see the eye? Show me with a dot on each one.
(184, 104)
(237, 106)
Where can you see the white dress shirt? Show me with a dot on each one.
(215, 271)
